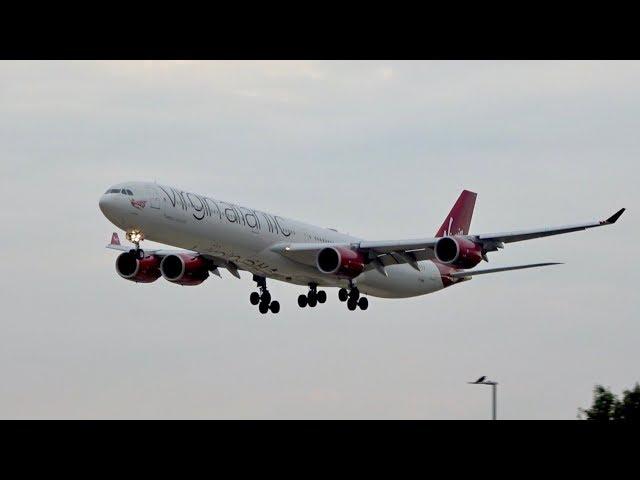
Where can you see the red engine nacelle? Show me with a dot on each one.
(458, 251)
(142, 271)
(340, 261)
(184, 269)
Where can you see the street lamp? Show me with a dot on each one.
(494, 386)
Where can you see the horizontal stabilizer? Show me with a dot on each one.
(470, 273)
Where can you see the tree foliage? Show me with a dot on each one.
(606, 406)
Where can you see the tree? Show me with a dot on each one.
(603, 407)
(629, 407)
(606, 406)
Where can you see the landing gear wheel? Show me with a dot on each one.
(312, 300)
(136, 236)
(352, 304)
(274, 306)
(363, 303)
(266, 297)
(314, 296)
(343, 294)
(321, 296)
(354, 293)
(302, 301)
(254, 298)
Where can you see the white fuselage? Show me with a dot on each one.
(245, 236)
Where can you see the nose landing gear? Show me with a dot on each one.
(312, 298)
(263, 299)
(353, 298)
(135, 237)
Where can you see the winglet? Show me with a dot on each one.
(615, 216)
(115, 240)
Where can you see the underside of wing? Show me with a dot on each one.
(304, 253)
(377, 255)
(471, 273)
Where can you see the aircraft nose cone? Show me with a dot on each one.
(113, 208)
(103, 203)
(109, 205)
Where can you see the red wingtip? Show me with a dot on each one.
(114, 239)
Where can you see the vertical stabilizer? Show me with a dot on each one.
(459, 218)
(115, 240)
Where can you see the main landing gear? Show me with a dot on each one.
(135, 237)
(353, 298)
(312, 298)
(263, 299)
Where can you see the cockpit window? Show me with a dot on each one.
(123, 191)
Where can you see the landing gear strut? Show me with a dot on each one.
(312, 298)
(135, 237)
(353, 298)
(263, 299)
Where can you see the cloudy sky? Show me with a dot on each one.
(375, 149)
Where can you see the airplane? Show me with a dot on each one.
(212, 234)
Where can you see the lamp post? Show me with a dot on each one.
(494, 395)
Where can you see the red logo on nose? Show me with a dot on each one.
(139, 204)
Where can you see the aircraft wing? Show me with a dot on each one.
(382, 253)
(470, 273)
(489, 240)
(116, 245)
(492, 241)
(216, 261)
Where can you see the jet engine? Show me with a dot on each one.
(184, 269)
(340, 261)
(459, 252)
(145, 270)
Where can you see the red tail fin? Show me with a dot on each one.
(459, 218)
